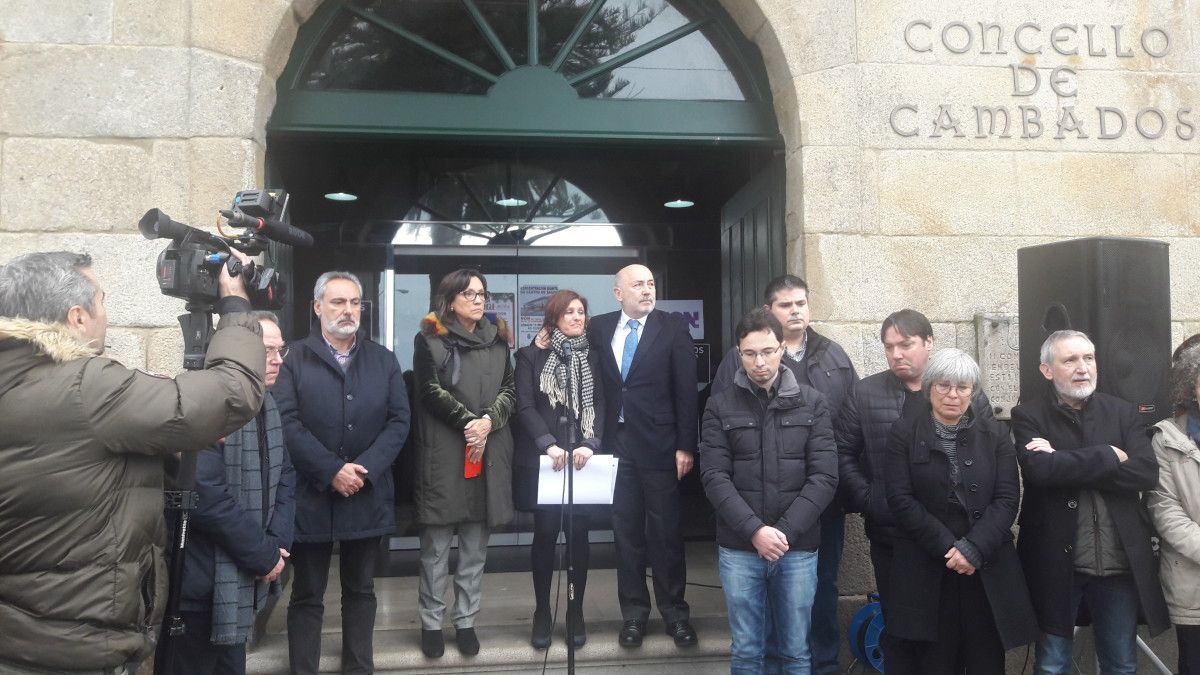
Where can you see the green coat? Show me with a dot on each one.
(82, 440)
(460, 377)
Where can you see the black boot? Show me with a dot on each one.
(579, 632)
(542, 626)
(432, 644)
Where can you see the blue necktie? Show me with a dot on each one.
(631, 341)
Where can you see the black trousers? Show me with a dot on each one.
(881, 564)
(542, 554)
(1188, 638)
(193, 653)
(646, 530)
(967, 637)
(357, 559)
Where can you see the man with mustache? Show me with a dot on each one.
(1085, 457)
(862, 429)
(345, 417)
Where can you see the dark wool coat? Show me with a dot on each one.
(332, 417)
(444, 407)
(918, 489)
(1083, 459)
(83, 582)
(862, 428)
(535, 426)
(221, 520)
(768, 465)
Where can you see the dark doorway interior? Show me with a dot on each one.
(400, 187)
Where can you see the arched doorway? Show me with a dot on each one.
(548, 142)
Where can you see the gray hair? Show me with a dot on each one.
(1047, 353)
(954, 366)
(44, 286)
(1185, 374)
(324, 279)
(265, 315)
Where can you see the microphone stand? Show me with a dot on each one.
(567, 418)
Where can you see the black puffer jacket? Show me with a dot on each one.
(768, 463)
(862, 428)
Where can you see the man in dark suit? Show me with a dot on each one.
(648, 370)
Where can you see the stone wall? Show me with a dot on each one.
(936, 217)
(112, 107)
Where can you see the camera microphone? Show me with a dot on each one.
(273, 229)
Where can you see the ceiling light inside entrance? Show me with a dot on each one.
(340, 197)
(511, 201)
(679, 204)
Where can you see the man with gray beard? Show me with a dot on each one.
(1085, 536)
(345, 417)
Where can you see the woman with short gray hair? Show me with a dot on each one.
(958, 597)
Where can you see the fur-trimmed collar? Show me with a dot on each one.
(432, 326)
(54, 340)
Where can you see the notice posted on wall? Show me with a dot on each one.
(533, 298)
(503, 306)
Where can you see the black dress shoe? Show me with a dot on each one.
(432, 644)
(468, 643)
(542, 626)
(632, 633)
(683, 633)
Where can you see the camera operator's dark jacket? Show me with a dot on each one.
(862, 428)
(82, 577)
(768, 462)
(331, 417)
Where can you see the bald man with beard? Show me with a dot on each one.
(648, 371)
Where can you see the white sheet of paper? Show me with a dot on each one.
(593, 484)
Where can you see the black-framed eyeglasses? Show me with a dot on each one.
(471, 295)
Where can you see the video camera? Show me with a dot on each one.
(191, 265)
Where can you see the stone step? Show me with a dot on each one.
(505, 648)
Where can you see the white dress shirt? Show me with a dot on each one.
(619, 335)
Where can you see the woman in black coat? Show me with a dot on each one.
(958, 598)
(542, 399)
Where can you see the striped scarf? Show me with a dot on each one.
(237, 595)
(581, 398)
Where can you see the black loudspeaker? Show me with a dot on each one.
(1118, 292)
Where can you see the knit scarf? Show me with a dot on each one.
(553, 382)
(236, 593)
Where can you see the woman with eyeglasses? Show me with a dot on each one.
(463, 393)
(958, 597)
(557, 389)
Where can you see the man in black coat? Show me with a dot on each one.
(866, 418)
(769, 466)
(241, 530)
(1084, 534)
(822, 364)
(648, 371)
(346, 416)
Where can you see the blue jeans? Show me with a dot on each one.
(754, 589)
(1113, 605)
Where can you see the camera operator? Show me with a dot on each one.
(82, 575)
